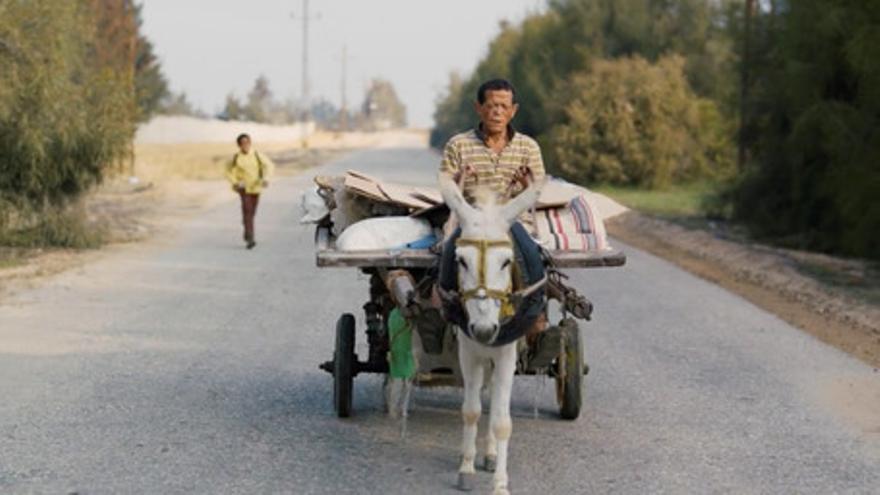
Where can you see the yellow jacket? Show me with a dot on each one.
(251, 169)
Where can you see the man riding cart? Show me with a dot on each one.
(458, 282)
(495, 159)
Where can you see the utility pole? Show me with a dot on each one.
(306, 90)
(305, 55)
(343, 100)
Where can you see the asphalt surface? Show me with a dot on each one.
(189, 365)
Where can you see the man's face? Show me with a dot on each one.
(497, 111)
(245, 145)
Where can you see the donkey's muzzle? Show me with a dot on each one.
(485, 335)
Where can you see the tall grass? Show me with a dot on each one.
(694, 199)
(66, 228)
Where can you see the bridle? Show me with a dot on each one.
(482, 291)
(509, 298)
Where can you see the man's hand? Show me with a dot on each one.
(523, 176)
(239, 187)
(466, 171)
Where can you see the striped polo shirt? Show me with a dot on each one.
(495, 171)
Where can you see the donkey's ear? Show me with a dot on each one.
(453, 197)
(513, 208)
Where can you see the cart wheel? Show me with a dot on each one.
(343, 365)
(570, 371)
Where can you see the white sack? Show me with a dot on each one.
(382, 233)
(313, 206)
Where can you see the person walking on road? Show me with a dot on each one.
(249, 172)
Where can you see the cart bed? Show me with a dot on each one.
(328, 256)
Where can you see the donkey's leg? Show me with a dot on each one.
(499, 420)
(472, 374)
(491, 451)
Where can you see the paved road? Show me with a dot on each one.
(188, 365)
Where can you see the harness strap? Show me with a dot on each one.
(519, 307)
(259, 164)
(528, 291)
(482, 290)
(447, 295)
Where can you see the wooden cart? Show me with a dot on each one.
(567, 370)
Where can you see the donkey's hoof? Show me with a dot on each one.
(501, 491)
(489, 464)
(466, 481)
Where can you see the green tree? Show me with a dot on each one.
(259, 101)
(177, 104)
(448, 119)
(382, 108)
(530, 55)
(233, 109)
(66, 115)
(151, 87)
(628, 121)
(454, 112)
(125, 49)
(813, 127)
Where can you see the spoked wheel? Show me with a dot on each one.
(343, 365)
(570, 371)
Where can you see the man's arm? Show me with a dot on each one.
(451, 164)
(450, 167)
(536, 163)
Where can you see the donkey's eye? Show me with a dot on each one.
(505, 264)
(462, 263)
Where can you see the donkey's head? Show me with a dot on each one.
(484, 255)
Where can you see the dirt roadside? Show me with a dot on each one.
(126, 212)
(176, 180)
(830, 298)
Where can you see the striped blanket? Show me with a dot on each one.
(572, 227)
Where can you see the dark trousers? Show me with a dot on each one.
(248, 211)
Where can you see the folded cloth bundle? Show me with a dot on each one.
(575, 226)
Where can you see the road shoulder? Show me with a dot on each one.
(770, 278)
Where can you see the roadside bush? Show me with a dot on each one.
(65, 228)
(631, 122)
(541, 55)
(64, 119)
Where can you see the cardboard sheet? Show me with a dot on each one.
(403, 195)
(555, 193)
(428, 194)
(390, 192)
(365, 187)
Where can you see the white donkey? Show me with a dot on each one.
(484, 255)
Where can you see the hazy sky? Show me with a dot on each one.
(209, 48)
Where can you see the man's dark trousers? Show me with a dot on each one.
(248, 211)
